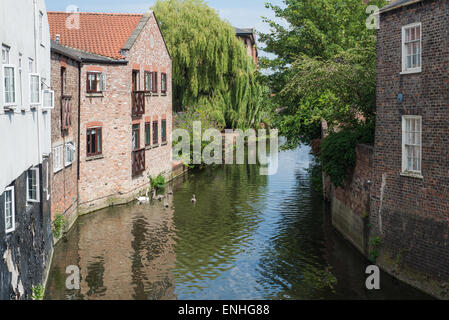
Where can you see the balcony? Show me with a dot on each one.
(138, 161)
(138, 103)
(66, 112)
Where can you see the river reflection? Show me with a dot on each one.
(248, 237)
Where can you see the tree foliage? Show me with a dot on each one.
(338, 153)
(210, 66)
(325, 65)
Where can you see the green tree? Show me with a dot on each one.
(325, 65)
(210, 67)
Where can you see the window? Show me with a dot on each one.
(35, 89)
(20, 88)
(57, 159)
(96, 82)
(411, 48)
(411, 144)
(155, 133)
(63, 81)
(164, 130)
(163, 82)
(69, 153)
(48, 99)
(10, 216)
(148, 81)
(147, 133)
(47, 191)
(9, 82)
(136, 137)
(154, 82)
(31, 65)
(5, 55)
(41, 22)
(94, 142)
(33, 185)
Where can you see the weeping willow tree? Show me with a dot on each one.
(211, 69)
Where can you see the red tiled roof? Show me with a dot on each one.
(99, 33)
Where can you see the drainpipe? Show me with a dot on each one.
(79, 122)
(36, 59)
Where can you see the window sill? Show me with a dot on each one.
(57, 171)
(92, 158)
(68, 165)
(155, 94)
(154, 146)
(413, 71)
(163, 144)
(412, 175)
(94, 95)
(164, 94)
(11, 108)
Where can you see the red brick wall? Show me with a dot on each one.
(108, 179)
(350, 206)
(412, 214)
(64, 184)
(356, 194)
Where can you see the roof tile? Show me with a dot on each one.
(103, 34)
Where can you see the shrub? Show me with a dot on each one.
(338, 154)
(37, 292)
(157, 183)
(59, 225)
(374, 246)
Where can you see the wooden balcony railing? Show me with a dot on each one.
(138, 103)
(66, 112)
(138, 161)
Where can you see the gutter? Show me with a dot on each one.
(394, 7)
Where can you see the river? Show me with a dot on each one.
(247, 237)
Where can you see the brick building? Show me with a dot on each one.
(125, 111)
(26, 105)
(410, 191)
(65, 72)
(248, 37)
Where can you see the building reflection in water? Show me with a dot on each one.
(123, 252)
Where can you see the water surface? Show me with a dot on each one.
(248, 237)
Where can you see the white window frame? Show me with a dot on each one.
(46, 189)
(30, 65)
(69, 146)
(36, 170)
(405, 70)
(58, 150)
(39, 90)
(41, 28)
(14, 103)
(13, 209)
(52, 93)
(405, 170)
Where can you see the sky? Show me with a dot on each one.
(240, 13)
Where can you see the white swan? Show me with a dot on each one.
(145, 199)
